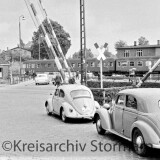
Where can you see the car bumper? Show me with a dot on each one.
(82, 117)
(156, 146)
(42, 82)
(79, 116)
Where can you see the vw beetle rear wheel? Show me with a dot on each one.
(139, 143)
(100, 130)
(63, 115)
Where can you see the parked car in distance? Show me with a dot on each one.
(72, 101)
(133, 115)
(42, 79)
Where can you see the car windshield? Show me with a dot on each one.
(80, 93)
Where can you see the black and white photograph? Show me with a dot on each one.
(79, 79)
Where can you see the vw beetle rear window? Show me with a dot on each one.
(80, 93)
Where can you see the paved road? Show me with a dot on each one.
(32, 133)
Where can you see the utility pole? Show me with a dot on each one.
(39, 40)
(20, 40)
(83, 43)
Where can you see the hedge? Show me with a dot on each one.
(96, 84)
(112, 88)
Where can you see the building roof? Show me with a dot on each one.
(36, 60)
(19, 48)
(139, 47)
(3, 62)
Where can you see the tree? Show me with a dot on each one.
(143, 41)
(62, 36)
(119, 44)
(89, 54)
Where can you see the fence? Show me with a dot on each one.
(18, 79)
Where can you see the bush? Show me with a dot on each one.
(112, 88)
(95, 84)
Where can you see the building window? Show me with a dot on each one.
(87, 64)
(73, 64)
(79, 65)
(119, 64)
(132, 64)
(126, 53)
(32, 65)
(49, 65)
(140, 63)
(55, 65)
(124, 63)
(38, 65)
(139, 53)
(29, 65)
(92, 64)
(111, 64)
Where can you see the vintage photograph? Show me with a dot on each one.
(79, 80)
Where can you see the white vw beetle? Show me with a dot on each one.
(72, 101)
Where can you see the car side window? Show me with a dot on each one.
(131, 102)
(121, 100)
(61, 93)
(56, 92)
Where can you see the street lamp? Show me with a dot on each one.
(20, 40)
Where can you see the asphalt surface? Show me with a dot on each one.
(27, 132)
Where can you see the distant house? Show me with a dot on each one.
(4, 69)
(138, 57)
(16, 53)
(140, 51)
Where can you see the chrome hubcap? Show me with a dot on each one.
(98, 124)
(63, 116)
(47, 109)
(139, 141)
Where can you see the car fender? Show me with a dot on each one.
(104, 117)
(66, 107)
(49, 104)
(97, 106)
(150, 136)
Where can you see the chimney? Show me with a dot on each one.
(158, 42)
(7, 48)
(135, 43)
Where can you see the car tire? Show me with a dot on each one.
(99, 128)
(48, 112)
(139, 145)
(63, 115)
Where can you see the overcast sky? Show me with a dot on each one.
(106, 21)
